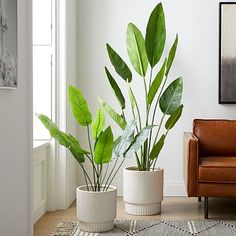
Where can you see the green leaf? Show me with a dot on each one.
(103, 148)
(157, 148)
(116, 89)
(136, 49)
(138, 141)
(131, 96)
(75, 142)
(156, 83)
(63, 139)
(114, 115)
(122, 144)
(171, 55)
(60, 136)
(98, 123)
(120, 66)
(171, 99)
(174, 118)
(76, 149)
(155, 35)
(79, 106)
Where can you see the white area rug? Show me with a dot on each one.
(160, 227)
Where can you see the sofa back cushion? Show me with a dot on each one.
(216, 137)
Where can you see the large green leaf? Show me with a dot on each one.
(120, 66)
(155, 35)
(174, 118)
(157, 148)
(63, 139)
(122, 144)
(104, 146)
(138, 141)
(156, 83)
(136, 49)
(98, 123)
(60, 136)
(171, 55)
(114, 115)
(116, 89)
(79, 106)
(171, 99)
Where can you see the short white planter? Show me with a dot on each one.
(96, 211)
(143, 191)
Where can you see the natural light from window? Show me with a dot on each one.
(42, 64)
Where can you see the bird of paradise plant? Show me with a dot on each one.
(145, 55)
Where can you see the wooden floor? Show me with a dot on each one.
(177, 208)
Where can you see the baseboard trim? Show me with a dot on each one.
(176, 189)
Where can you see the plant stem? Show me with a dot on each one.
(115, 174)
(138, 111)
(141, 149)
(157, 134)
(89, 140)
(81, 165)
(86, 182)
(123, 114)
(159, 128)
(146, 143)
(111, 172)
(98, 178)
(150, 79)
(94, 170)
(154, 113)
(138, 161)
(154, 165)
(104, 177)
(92, 163)
(91, 151)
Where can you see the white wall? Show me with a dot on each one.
(16, 139)
(71, 73)
(197, 61)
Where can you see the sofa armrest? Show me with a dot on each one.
(191, 164)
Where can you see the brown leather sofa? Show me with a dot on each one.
(210, 160)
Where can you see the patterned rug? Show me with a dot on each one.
(160, 227)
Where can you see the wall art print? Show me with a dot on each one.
(8, 44)
(227, 52)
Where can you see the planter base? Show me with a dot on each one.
(96, 227)
(143, 209)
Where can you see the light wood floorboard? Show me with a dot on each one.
(173, 208)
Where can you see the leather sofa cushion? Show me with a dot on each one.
(217, 169)
(216, 137)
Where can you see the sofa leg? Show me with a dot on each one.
(199, 199)
(206, 207)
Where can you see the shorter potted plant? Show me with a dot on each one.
(143, 183)
(96, 200)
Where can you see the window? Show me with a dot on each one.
(43, 49)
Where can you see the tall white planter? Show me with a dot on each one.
(96, 211)
(143, 191)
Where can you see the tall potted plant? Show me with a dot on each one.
(96, 200)
(143, 184)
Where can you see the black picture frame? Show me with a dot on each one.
(225, 88)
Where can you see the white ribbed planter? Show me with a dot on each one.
(96, 211)
(143, 191)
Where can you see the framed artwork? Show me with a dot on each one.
(227, 53)
(8, 44)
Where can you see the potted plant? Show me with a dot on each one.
(143, 184)
(96, 200)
